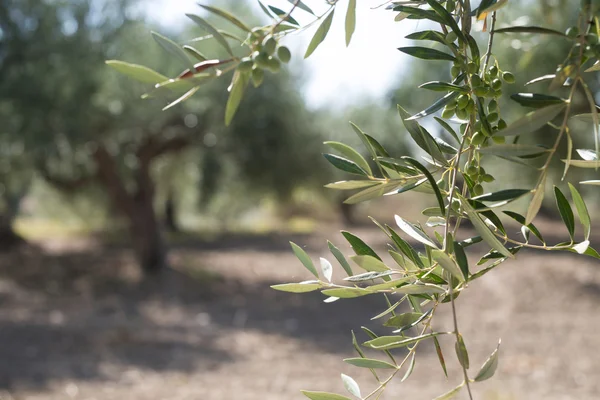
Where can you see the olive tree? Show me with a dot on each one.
(469, 110)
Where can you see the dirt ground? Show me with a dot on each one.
(77, 322)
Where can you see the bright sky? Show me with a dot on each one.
(338, 76)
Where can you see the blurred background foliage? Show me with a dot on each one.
(80, 149)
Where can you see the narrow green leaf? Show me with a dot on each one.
(451, 394)
(420, 289)
(347, 293)
(211, 30)
(414, 232)
(584, 164)
(489, 366)
(138, 72)
(411, 367)
(425, 53)
(595, 67)
(304, 259)
(403, 320)
(340, 257)
(302, 6)
(369, 363)
(394, 342)
(536, 100)
(495, 6)
(566, 213)
(461, 259)
(320, 34)
(532, 121)
(351, 155)
(428, 35)
(438, 350)
(420, 136)
(351, 386)
(536, 202)
(521, 219)
(461, 351)
(515, 150)
(282, 14)
(482, 229)
(448, 128)
(438, 105)
(543, 78)
(588, 155)
(438, 86)
(369, 276)
(195, 53)
(502, 195)
(326, 268)
(594, 182)
(432, 181)
(582, 211)
(359, 247)
(297, 287)
(370, 263)
(323, 396)
(447, 18)
(350, 21)
(372, 193)
(529, 29)
(238, 87)
(173, 48)
(265, 9)
(351, 185)
(418, 13)
(182, 98)
(405, 247)
(226, 15)
(345, 165)
(448, 264)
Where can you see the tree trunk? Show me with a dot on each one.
(148, 244)
(171, 213)
(9, 239)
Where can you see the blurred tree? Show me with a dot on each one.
(80, 123)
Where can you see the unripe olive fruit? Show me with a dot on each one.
(245, 66)
(462, 101)
(273, 65)
(499, 139)
(471, 170)
(493, 106)
(480, 91)
(269, 45)
(455, 71)
(493, 71)
(284, 54)
(451, 37)
(572, 32)
(472, 67)
(258, 75)
(478, 190)
(478, 139)
(475, 80)
(470, 106)
(461, 113)
(488, 178)
(496, 84)
(508, 77)
(261, 59)
(591, 38)
(447, 113)
(492, 117)
(501, 124)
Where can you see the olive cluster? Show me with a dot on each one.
(267, 54)
(489, 86)
(592, 47)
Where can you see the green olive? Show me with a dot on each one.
(269, 45)
(462, 101)
(455, 71)
(492, 117)
(493, 71)
(284, 54)
(493, 106)
(508, 77)
(451, 37)
(478, 139)
(499, 139)
(462, 113)
(258, 75)
(246, 65)
(502, 124)
(448, 113)
(496, 84)
(572, 32)
(472, 67)
(478, 190)
(475, 80)
(273, 65)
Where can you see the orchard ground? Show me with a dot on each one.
(77, 322)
